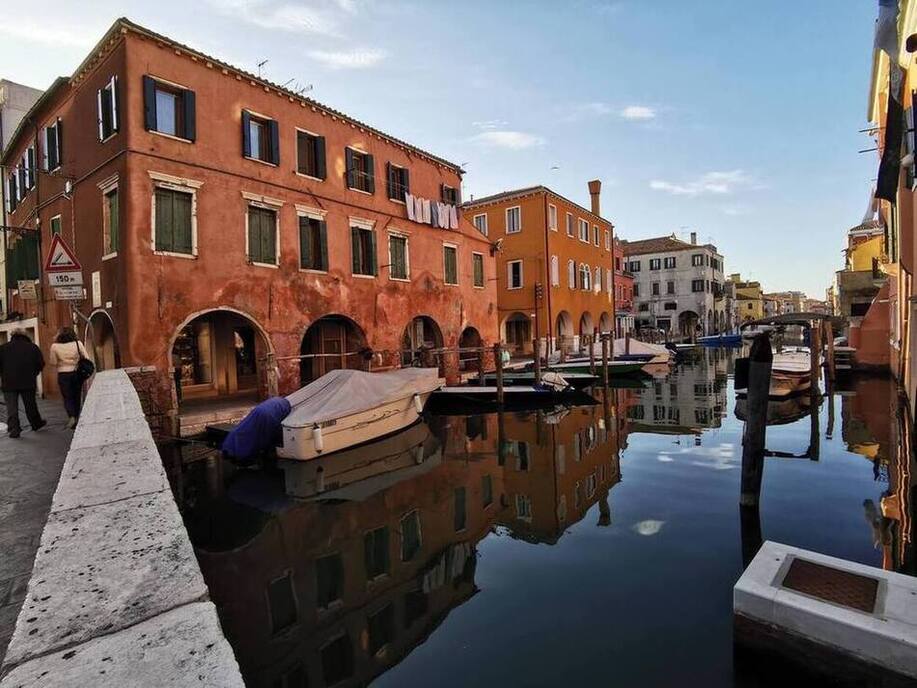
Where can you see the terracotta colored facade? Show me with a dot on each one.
(547, 243)
(624, 292)
(257, 316)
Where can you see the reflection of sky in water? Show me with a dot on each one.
(648, 527)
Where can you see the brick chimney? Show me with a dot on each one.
(693, 237)
(595, 191)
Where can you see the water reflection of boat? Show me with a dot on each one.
(779, 411)
(527, 377)
(790, 374)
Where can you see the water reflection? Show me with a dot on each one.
(369, 566)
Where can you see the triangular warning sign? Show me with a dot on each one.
(60, 257)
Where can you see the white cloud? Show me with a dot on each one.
(638, 112)
(710, 183)
(53, 36)
(282, 16)
(354, 59)
(648, 527)
(514, 140)
(349, 6)
(490, 124)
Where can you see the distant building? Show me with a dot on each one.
(678, 286)
(624, 292)
(749, 299)
(857, 285)
(783, 302)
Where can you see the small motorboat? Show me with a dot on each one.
(552, 390)
(345, 408)
(790, 374)
(527, 377)
(721, 340)
(635, 350)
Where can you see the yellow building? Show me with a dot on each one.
(749, 299)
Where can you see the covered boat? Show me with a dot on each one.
(651, 353)
(348, 407)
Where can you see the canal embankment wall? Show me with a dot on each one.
(116, 595)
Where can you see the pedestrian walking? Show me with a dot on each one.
(68, 355)
(20, 363)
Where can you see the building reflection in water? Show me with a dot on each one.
(875, 426)
(340, 583)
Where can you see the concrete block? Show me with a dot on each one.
(182, 647)
(113, 405)
(96, 475)
(89, 434)
(103, 568)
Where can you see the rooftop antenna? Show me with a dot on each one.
(260, 65)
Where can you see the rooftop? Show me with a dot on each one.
(665, 244)
(528, 191)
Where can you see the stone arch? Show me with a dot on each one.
(100, 338)
(687, 323)
(605, 323)
(517, 332)
(421, 334)
(586, 324)
(334, 341)
(469, 339)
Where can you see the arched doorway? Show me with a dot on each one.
(605, 324)
(100, 339)
(470, 339)
(563, 331)
(422, 333)
(518, 333)
(334, 342)
(586, 324)
(687, 323)
(219, 353)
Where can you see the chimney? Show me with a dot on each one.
(693, 237)
(595, 190)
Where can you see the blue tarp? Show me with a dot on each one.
(259, 430)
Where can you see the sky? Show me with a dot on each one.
(736, 120)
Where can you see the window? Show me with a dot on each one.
(584, 231)
(585, 276)
(655, 263)
(571, 274)
(477, 265)
(655, 288)
(168, 109)
(260, 138)
(595, 235)
(459, 516)
(53, 145)
(597, 280)
(636, 289)
(608, 279)
(110, 222)
(313, 243)
(555, 271)
(310, 154)
(55, 225)
(697, 260)
(569, 224)
(448, 194)
(671, 306)
(697, 285)
(27, 170)
(108, 109)
(523, 508)
(450, 264)
(380, 628)
(360, 171)
(337, 660)
(670, 287)
(398, 257)
(634, 266)
(12, 195)
(552, 217)
(375, 553)
(174, 221)
(669, 263)
(363, 251)
(329, 580)
(480, 221)
(514, 274)
(513, 220)
(644, 307)
(410, 536)
(608, 241)
(262, 235)
(399, 181)
(487, 491)
(282, 603)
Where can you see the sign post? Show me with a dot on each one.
(65, 274)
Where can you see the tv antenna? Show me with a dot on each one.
(261, 65)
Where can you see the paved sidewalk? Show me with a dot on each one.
(29, 471)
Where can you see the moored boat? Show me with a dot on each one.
(582, 365)
(348, 407)
(721, 340)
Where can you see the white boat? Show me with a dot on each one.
(791, 373)
(659, 353)
(345, 408)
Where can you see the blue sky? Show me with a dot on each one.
(737, 120)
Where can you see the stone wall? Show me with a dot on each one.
(116, 596)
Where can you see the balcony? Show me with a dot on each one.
(860, 282)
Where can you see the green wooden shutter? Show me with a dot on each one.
(246, 135)
(254, 237)
(370, 175)
(114, 221)
(269, 236)
(355, 250)
(348, 163)
(305, 243)
(373, 263)
(164, 223)
(320, 170)
(188, 102)
(149, 103)
(182, 235)
(323, 245)
(389, 180)
(274, 132)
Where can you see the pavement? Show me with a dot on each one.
(29, 470)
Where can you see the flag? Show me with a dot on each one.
(886, 40)
(887, 29)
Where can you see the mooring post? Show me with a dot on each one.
(815, 350)
(591, 355)
(563, 350)
(627, 343)
(536, 353)
(481, 367)
(760, 361)
(605, 360)
(829, 346)
(750, 524)
(498, 365)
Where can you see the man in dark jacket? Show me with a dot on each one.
(20, 363)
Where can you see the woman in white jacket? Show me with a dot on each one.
(65, 355)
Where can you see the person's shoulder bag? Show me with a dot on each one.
(84, 367)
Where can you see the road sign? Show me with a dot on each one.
(65, 279)
(69, 293)
(27, 290)
(61, 258)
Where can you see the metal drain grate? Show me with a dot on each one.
(832, 585)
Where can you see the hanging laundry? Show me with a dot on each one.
(434, 211)
(409, 204)
(453, 217)
(426, 211)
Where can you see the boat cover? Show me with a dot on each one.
(342, 393)
(259, 430)
(638, 347)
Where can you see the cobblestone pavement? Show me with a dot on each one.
(29, 471)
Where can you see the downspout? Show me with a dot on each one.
(549, 329)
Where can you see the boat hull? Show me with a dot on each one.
(615, 368)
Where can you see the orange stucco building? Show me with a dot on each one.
(554, 265)
(227, 226)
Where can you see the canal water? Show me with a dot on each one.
(595, 545)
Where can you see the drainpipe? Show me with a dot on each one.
(549, 329)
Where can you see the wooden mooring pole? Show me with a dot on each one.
(815, 351)
(536, 354)
(592, 355)
(481, 379)
(498, 365)
(829, 348)
(760, 361)
(605, 338)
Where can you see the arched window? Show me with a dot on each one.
(555, 271)
(598, 280)
(585, 277)
(571, 273)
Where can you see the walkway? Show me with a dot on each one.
(29, 471)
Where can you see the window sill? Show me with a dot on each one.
(395, 200)
(176, 254)
(307, 176)
(313, 271)
(109, 256)
(263, 265)
(514, 288)
(399, 279)
(109, 137)
(450, 284)
(478, 286)
(359, 276)
(259, 160)
(173, 137)
(515, 231)
(360, 191)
